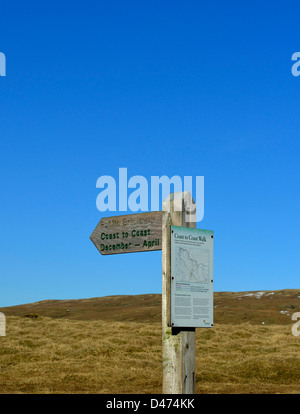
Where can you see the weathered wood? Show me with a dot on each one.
(129, 233)
(178, 344)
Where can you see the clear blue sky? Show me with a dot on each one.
(162, 88)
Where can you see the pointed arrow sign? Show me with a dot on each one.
(129, 233)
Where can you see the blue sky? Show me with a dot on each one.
(161, 88)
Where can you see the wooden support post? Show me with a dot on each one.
(178, 344)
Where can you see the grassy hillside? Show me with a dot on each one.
(270, 307)
(113, 345)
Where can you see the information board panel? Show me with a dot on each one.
(191, 277)
(129, 233)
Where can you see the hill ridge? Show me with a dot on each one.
(256, 307)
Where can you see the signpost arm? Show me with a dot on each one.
(178, 344)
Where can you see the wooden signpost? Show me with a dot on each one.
(178, 345)
(147, 232)
(130, 233)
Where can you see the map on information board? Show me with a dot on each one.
(192, 265)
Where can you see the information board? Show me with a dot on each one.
(191, 277)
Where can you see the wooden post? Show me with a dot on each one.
(178, 344)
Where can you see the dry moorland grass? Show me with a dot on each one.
(48, 355)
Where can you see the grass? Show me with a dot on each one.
(56, 355)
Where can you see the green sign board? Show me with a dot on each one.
(191, 277)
